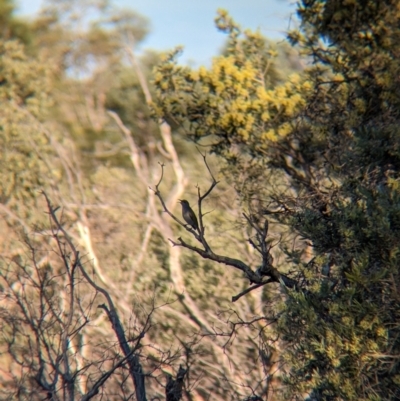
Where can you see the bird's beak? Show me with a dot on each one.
(180, 200)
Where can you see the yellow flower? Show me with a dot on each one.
(194, 75)
(270, 135)
(265, 116)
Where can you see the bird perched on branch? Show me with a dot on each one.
(188, 214)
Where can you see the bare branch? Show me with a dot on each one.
(262, 247)
(133, 361)
(159, 196)
(246, 291)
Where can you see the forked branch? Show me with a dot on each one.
(265, 274)
(132, 358)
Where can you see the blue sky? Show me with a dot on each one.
(190, 23)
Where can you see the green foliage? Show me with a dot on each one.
(331, 138)
(356, 220)
(25, 99)
(237, 101)
(316, 150)
(125, 97)
(12, 27)
(240, 107)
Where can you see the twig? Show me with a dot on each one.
(135, 367)
(253, 287)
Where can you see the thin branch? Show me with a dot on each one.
(135, 367)
(246, 291)
(165, 208)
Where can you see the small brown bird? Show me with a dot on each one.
(188, 214)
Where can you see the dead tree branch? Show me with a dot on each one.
(266, 268)
(133, 361)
